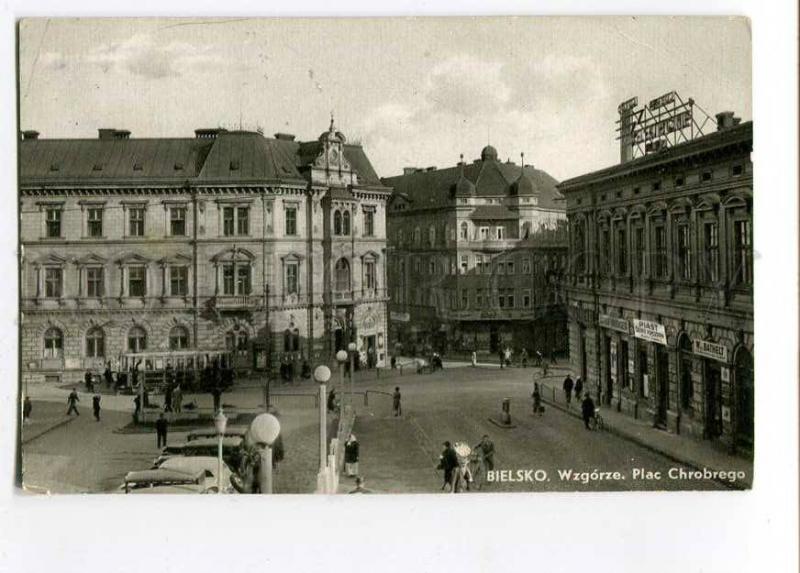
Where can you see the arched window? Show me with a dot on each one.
(416, 236)
(178, 338)
(295, 340)
(137, 339)
(346, 223)
(53, 343)
(337, 223)
(464, 231)
(342, 275)
(432, 235)
(95, 343)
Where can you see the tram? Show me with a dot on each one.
(185, 367)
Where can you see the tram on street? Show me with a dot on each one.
(189, 368)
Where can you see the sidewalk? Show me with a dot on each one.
(45, 417)
(681, 449)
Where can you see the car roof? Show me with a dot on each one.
(192, 464)
(227, 441)
(232, 431)
(164, 476)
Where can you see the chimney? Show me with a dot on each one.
(209, 133)
(409, 170)
(30, 134)
(432, 168)
(284, 136)
(726, 120)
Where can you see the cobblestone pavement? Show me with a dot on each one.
(400, 454)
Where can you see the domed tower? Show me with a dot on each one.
(331, 166)
(488, 153)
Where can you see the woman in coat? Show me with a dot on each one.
(351, 456)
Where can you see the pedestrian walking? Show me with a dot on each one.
(96, 406)
(351, 456)
(168, 398)
(360, 486)
(137, 408)
(507, 357)
(396, 407)
(524, 358)
(486, 448)
(587, 409)
(177, 398)
(161, 431)
(474, 359)
(332, 400)
(108, 376)
(27, 408)
(537, 399)
(568, 386)
(216, 394)
(448, 462)
(88, 381)
(72, 403)
(500, 357)
(578, 387)
(553, 356)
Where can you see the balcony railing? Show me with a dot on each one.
(247, 301)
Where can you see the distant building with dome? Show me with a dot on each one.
(476, 254)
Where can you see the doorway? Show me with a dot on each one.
(713, 409)
(662, 388)
(371, 349)
(743, 379)
(611, 356)
(494, 340)
(338, 340)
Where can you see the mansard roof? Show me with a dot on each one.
(490, 178)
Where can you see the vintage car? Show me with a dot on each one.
(230, 431)
(193, 465)
(231, 450)
(166, 481)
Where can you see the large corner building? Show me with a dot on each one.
(269, 247)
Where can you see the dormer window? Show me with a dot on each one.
(178, 167)
(234, 165)
(97, 167)
(137, 166)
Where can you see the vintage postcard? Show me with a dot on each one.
(393, 255)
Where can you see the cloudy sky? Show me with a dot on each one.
(412, 91)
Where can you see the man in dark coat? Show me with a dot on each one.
(486, 448)
(578, 387)
(396, 407)
(27, 408)
(587, 409)
(448, 462)
(568, 386)
(161, 431)
(88, 380)
(351, 456)
(96, 407)
(107, 375)
(72, 403)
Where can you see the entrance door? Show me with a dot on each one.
(494, 339)
(606, 399)
(713, 409)
(743, 379)
(371, 349)
(662, 375)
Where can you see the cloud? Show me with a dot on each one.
(141, 55)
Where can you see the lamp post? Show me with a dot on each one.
(264, 430)
(351, 347)
(322, 374)
(341, 358)
(220, 423)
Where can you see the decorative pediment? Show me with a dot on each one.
(681, 205)
(708, 201)
(292, 258)
(176, 259)
(657, 207)
(51, 259)
(234, 254)
(133, 259)
(91, 259)
(637, 212)
(370, 255)
(737, 199)
(620, 213)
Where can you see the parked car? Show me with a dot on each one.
(193, 465)
(166, 481)
(231, 431)
(231, 450)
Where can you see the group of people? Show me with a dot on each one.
(72, 404)
(454, 463)
(506, 356)
(588, 408)
(288, 368)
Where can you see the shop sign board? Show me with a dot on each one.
(614, 323)
(400, 316)
(649, 331)
(710, 350)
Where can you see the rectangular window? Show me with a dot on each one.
(94, 282)
(464, 264)
(743, 252)
(478, 264)
(369, 274)
(479, 298)
(641, 254)
(242, 220)
(53, 223)
(622, 252)
(243, 280)
(228, 287)
(500, 231)
(369, 223)
(417, 265)
(94, 222)
(501, 268)
(137, 282)
(526, 299)
(136, 221)
(526, 266)
(510, 298)
(179, 281)
(53, 282)
(510, 267)
(291, 220)
(605, 245)
(227, 221)
(501, 298)
(660, 251)
(177, 221)
(464, 298)
(484, 231)
(684, 252)
(711, 252)
(431, 267)
(291, 278)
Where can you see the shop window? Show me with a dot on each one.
(178, 338)
(53, 343)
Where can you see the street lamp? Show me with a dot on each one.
(341, 357)
(220, 423)
(352, 348)
(263, 431)
(322, 374)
